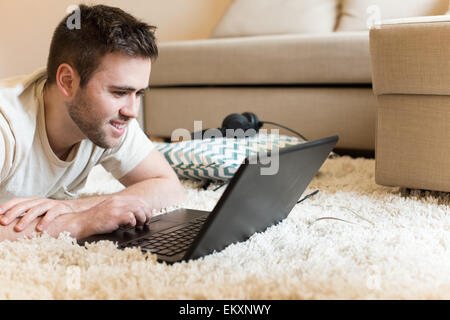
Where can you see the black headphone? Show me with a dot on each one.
(236, 121)
(245, 121)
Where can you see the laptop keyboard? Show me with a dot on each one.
(172, 243)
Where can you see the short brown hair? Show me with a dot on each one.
(102, 30)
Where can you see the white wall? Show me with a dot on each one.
(26, 26)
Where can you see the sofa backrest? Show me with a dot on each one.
(356, 14)
(269, 17)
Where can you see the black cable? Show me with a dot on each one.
(281, 126)
(308, 196)
(220, 186)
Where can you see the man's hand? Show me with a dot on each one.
(114, 212)
(32, 208)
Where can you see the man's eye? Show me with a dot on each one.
(119, 93)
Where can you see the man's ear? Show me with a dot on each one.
(67, 80)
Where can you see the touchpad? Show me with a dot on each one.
(182, 215)
(157, 225)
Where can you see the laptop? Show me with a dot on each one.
(251, 203)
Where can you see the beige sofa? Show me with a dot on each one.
(313, 77)
(411, 60)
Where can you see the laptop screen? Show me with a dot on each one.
(255, 200)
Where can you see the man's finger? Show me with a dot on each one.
(45, 221)
(129, 220)
(149, 215)
(140, 216)
(18, 209)
(31, 215)
(11, 203)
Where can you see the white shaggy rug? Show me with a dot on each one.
(353, 240)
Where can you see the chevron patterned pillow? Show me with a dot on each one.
(217, 159)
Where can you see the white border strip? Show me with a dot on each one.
(427, 19)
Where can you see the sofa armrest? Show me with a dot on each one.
(411, 56)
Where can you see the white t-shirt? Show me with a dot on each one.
(28, 165)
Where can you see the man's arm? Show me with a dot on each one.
(105, 217)
(61, 223)
(153, 181)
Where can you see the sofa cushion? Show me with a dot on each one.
(218, 159)
(332, 58)
(264, 17)
(355, 14)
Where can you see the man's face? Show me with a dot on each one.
(110, 99)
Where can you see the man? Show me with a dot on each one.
(58, 123)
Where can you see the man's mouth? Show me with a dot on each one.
(119, 127)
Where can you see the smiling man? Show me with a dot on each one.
(59, 122)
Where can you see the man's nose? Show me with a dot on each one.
(131, 109)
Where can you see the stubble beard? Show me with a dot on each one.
(82, 113)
